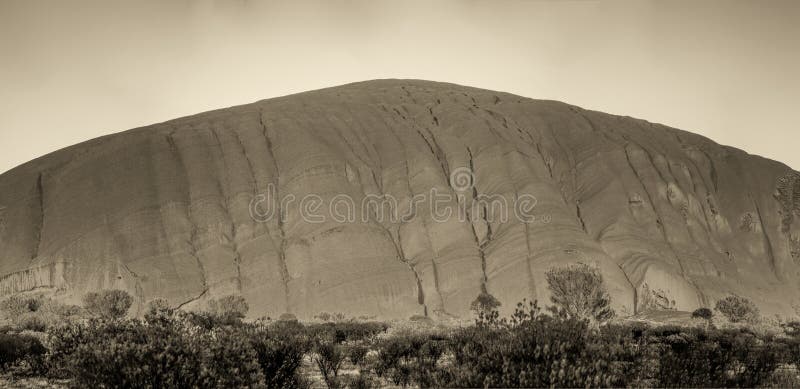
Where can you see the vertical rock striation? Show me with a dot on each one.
(672, 219)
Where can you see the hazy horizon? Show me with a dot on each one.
(75, 71)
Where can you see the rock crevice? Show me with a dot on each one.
(175, 198)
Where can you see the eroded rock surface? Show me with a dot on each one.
(674, 220)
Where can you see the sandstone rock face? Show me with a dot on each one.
(673, 220)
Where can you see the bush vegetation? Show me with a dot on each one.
(170, 348)
(329, 357)
(16, 306)
(15, 348)
(702, 313)
(738, 309)
(173, 351)
(229, 308)
(484, 303)
(578, 291)
(357, 353)
(37, 313)
(108, 304)
(532, 349)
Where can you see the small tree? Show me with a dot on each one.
(158, 305)
(578, 291)
(108, 304)
(287, 317)
(703, 313)
(484, 303)
(360, 381)
(329, 358)
(792, 328)
(15, 306)
(158, 311)
(338, 317)
(229, 308)
(357, 353)
(738, 309)
(323, 316)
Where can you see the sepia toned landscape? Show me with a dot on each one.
(402, 232)
(220, 203)
(383, 194)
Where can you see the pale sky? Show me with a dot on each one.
(74, 70)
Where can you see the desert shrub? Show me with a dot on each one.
(579, 291)
(360, 381)
(124, 353)
(791, 328)
(31, 321)
(328, 356)
(784, 378)
(629, 357)
(68, 311)
(420, 319)
(348, 331)
(334, 317)
(280, 356)
(323, 316)
(534, 350)
(335, 341)
(62, 342)
(36, 313)
(229, 361)
(357, 353)
(55, 312)
(484, 303)
(289, 329)
(171, 351)
(15, 348)
(530, 350)
(172, 348)
(15, 306)
(738, 309)
(702, 313)
(409, 358)
(693, 357)
(158, 312)
(205, 320)
(108, 304)
(229, 309)
(287, 317)
(159, 306)
(686, 358)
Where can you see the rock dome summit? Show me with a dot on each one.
(672, 219)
